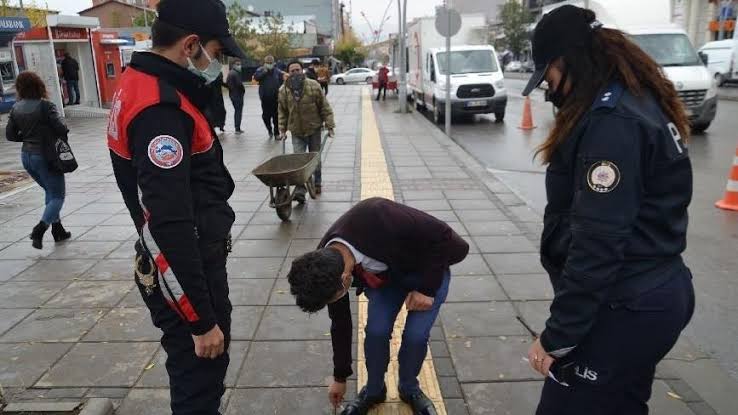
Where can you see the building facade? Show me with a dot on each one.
(489, 8)
(116, 13)
(327, 12)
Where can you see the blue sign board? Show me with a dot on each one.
(14, 24)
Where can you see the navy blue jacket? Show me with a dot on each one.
(616, 221)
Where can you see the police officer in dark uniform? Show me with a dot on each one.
(619, 182)
(169, 167)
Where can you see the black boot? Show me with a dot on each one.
(364, 402)
(59, 233)
(420, 403)
(37, 235)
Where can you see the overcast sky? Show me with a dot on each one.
(374, 9)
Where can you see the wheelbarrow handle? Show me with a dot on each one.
(322, 144)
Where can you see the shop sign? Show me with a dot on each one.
(69, 33)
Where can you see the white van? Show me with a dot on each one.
(477, 82)
(671, 48)
(721, 58)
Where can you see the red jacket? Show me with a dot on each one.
(383, 74)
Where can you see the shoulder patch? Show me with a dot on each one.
(165, 151)
(603, 176)
(609, 97)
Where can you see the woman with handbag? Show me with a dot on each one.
(36, 122)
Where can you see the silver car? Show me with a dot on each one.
(362, 75)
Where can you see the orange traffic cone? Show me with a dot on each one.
(527, 123)
(730, 201)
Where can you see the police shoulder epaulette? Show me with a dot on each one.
(609, 97)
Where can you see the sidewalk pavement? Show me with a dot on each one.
(73, 326)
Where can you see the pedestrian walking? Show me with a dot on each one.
(619, 182)
(236, 92)
(383, 80)
(396, 255)
(312, 70)
(215, 111)
(270, 80)
(35, 121)
(324, 77)
(70, 73)
(169, 166)
(304, 111)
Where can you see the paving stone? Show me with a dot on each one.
(527, 286)
(493, 228)
(132, 299)
(534, 313)
(471, 265)
(293, 363)
(9, 317)
(87, 219)
(37, 407)
(480, 320)
(480, 215)
(503, 359)
(456, 407)
(709, 381)
(504, 244)
(54, 393)
(444, 366)
(107, 208)
(110, 393)
(525, 214)
(439, 349)
(244, 321)
(663, 403)
(279, 401)
(474, 288)
(509, 398)
(91, 294)
(473, 204)
(684, 349)
(302, 246)
(23, 250)
(272, 231)
(84, 250)
(145, 401)
(55, 270)
(253, 267)
(255, 248)
(291, 323)
(111, 269)
(125, 324)
(50, 325)
(447, 216)
(515, 263)
(12, 267)
(409, 195)
(281, 294)
(465, 194)
(430, 205)
(106, 364)
(250, 291)
(22, 364)
(449, 387)
(108, 233)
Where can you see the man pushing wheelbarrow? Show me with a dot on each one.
(304, 110)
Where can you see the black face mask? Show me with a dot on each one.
(557, 97)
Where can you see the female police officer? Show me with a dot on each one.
(619, 181)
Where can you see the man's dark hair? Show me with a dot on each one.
(295, 62)
(315, 278)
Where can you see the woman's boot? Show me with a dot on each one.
(59, 233)
(37, 235)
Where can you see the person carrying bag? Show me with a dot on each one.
(45, 154)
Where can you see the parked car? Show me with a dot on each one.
(721, 60)
(362, 75)
(529, 66)
(514, 66)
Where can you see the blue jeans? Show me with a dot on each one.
(237, 110)
(52, 182)
(73, 91)
(384, 305)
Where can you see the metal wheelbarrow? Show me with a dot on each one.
(286, 170)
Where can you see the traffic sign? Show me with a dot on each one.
(448, 21)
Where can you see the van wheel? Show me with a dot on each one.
(418, 103)
(700, 128)
(438, 117)
(720, 79)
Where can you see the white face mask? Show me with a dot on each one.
(213, 70)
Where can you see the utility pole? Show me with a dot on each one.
(402, 11)
(448, 70)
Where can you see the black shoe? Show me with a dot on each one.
(59, 233)
(300, 198)
(37, 235)
(420, 403)
(318, 189)
(239, 132)
(364, 403)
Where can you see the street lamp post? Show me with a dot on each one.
(402, 11)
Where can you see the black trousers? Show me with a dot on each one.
(197, 384)
(237, 101)
(611, 372)
(324, 85)
(382, 89)
(269, 114)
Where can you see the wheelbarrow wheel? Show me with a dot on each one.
(283, 201)
(311, 188)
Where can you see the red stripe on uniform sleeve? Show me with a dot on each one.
(189, 311)
(161, 264)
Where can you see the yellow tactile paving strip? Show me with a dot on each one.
(375, 182)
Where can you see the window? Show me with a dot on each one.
(668, 49)
(468, 61)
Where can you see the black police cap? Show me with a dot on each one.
(202, 17)
(564, 28)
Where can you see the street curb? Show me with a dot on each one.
(98, 406)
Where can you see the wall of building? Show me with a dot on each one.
(489, 8)
(113, 15)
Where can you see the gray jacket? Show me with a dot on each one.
(33, 122)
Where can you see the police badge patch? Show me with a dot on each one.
(165, 151)
(603, 176)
